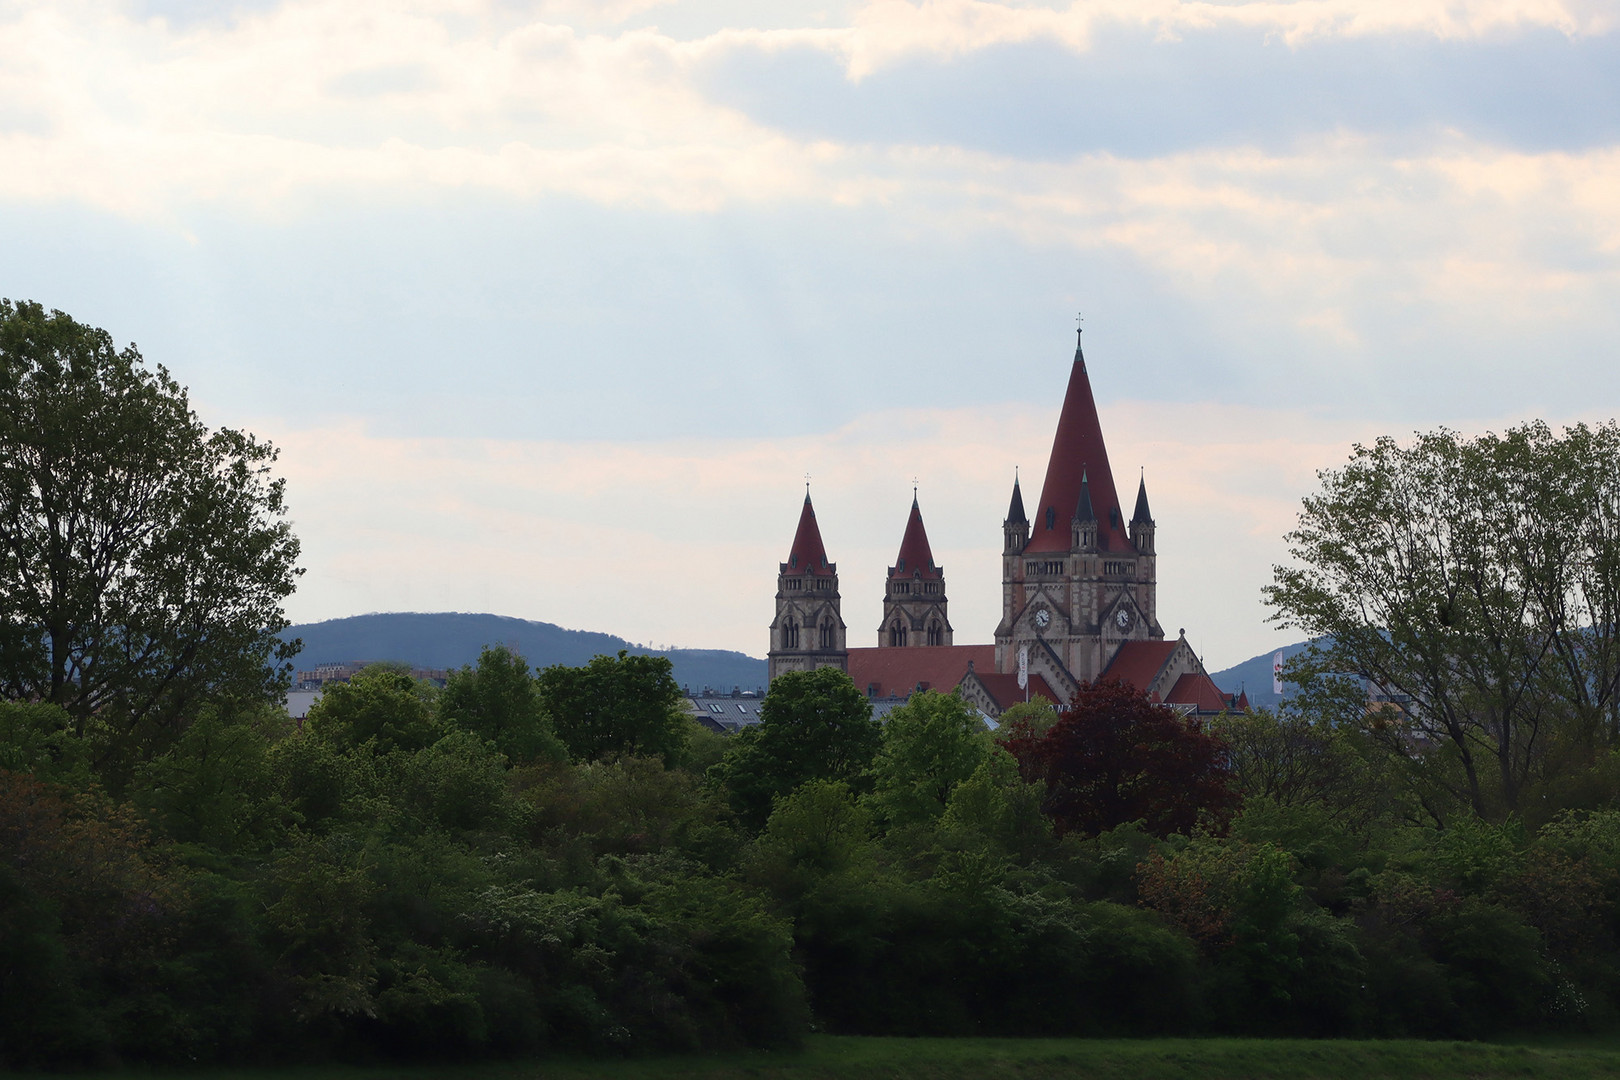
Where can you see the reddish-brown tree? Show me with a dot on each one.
(1115, 757)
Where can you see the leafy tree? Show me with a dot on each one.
(38, 738)
(616, 705)
(1290, 760)
(1477, 580)
(814, 725)
(819, 825)
(995, 810)
(1116, 757)
(380, 702)
(214, 784)
(1033, 717)
(930, 745)
(499, 701)
(143, 559)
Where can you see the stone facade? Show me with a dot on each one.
(808, 631)
(914, 602)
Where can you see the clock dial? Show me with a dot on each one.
(1042, 617)
(1123, 618)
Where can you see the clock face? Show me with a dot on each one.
(1042, 617)
(1123, 619)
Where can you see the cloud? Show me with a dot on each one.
(276, 105)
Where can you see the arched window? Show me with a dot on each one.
(790, 635)
(827, 634)
(936, 636)
(897, 633)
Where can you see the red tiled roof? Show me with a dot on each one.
(1138, 663)
(899, 670)
(808, 555)
(1078, 449)
(1004, 688)
(1196, 688)
(915, 554)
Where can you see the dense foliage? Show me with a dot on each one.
(522, 862)
(387, 882)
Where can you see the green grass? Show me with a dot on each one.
(839, 1058)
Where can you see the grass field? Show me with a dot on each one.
(836, 1058)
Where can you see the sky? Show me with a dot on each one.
(551, 306)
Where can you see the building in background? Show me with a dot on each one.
(1079, 596)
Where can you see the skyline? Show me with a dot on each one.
(550, 306)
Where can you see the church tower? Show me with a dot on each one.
(914, 595)
(808, 631)
(1077, 582)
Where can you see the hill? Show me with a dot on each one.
(452, 639)
(1254, 677)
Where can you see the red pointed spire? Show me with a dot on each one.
(1078, 454)
(808, 555)
(915, 554)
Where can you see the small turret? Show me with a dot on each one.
(1084, 525)
(1142, 520)
(1016, 528)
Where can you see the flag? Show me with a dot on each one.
(1023, 667)
(1276, 672)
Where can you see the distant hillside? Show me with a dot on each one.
(1254, 677)
(452, 639)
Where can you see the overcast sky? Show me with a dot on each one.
(552, 305)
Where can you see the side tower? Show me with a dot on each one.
(1081, 583)
(914, 595)
(808, 631)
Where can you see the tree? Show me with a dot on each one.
(500, 701)
(143, 559)
(813, 725)
(616, 705)
(930, 745)
(1116, 757)
(1477, 581)
(381, 703)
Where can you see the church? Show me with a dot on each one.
(1079, 597)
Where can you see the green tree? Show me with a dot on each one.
(1477, 581)
(500, 701)
(814, 725)
(38, 738)
(820, 826)
(616, 705)
(143, 559)
(380, 702)
(930, 745)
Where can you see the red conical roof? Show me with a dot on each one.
(915, 554)
(808, 555)
(1077, 452)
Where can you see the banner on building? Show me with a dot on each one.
(1023, 667)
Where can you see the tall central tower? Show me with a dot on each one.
(1077, 580)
